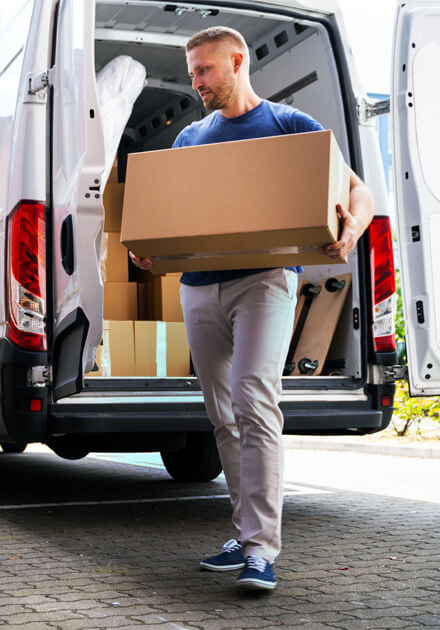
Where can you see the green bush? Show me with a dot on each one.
(409, 411)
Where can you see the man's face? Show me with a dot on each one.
(210, 68)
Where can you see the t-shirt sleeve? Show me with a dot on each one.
(300, 123)
(179, 141)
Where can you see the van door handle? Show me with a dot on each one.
(67, 250)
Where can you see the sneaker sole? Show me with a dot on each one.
(212, 567)
(253, 584)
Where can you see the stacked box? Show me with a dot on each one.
(113, 200)
(134, 348)
(120, 295)
(161, 349)
(130, 347)
(159, 298)
(115, 355)
(120, 300)
(114, 259)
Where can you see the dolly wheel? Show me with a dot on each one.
(307, 366)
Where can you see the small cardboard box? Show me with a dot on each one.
(114, 258)
(115, 356)
(112, 200)
(266, 202)
(161, 349)
(159, 299)
(120, 300)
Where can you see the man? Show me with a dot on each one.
(239, 323)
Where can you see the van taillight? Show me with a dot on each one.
(26, 277)
(383, 285)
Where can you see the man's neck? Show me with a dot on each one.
(241, 106)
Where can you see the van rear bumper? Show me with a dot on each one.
(17, 422)
(184, 416)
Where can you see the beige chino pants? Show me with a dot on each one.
(239, 333)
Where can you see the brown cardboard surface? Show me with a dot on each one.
(177, 350)
(235, 204)
(114, 258)
(145, 300)
(166, 298)
(112, 200)
(115, 356)
(113, 175)
(159, 298)
(120, 300)
(161, 349)
(145, 335)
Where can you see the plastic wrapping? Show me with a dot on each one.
(118, 86)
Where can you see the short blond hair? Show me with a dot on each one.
(217, 34)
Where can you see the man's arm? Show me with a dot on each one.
(355, 220)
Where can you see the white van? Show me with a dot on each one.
(51, 216)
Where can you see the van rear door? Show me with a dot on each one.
(416, 129)
(78, 213)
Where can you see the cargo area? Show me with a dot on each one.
(292, 62)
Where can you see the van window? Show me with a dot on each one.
(14, 26)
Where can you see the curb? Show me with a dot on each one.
(349, 445)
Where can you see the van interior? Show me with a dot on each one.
(293, 61)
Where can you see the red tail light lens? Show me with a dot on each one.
(383, 284)
(27, 277)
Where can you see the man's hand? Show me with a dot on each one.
(351, 232)
(354, 221)
(142, 263)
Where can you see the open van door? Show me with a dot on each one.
(416, 145)
(78, 213)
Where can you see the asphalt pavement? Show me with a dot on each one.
(111, 541)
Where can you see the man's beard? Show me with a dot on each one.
(219, 100)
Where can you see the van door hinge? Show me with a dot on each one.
(369, 109)
(39, 376)
(38, 82)
(393, 373)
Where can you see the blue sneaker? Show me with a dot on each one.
(228, 559)
(257, 574)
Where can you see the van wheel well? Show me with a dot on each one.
(68, 447)
(13, 448)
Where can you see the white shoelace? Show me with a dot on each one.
(256, 562)
(231, 545)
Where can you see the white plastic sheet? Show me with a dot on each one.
(118, 85)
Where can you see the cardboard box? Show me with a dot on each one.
(161, 349)
(120, 300)
(145, 300)
(159, 299)
(266, 202)
(166, 298)
(114, 258)
(115, 356)
(112, 200)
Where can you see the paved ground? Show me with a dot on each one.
(107, 544)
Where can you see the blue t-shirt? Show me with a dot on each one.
(264, 120)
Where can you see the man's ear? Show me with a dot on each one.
(237, 61)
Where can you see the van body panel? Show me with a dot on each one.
(14, 115)
(300, 56)
(416, 142)
(78, 213)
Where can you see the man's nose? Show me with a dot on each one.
(196, 82)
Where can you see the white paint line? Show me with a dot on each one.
(31, 506)
(112, 502)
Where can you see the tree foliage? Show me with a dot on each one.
(409, 411)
